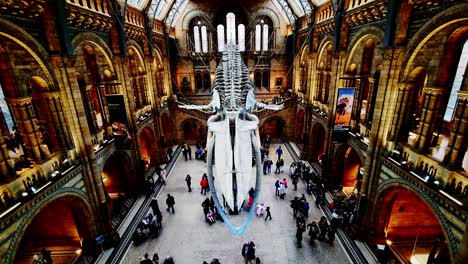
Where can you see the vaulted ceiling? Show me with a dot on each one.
(169, 10)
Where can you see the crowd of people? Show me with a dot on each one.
(343, 208)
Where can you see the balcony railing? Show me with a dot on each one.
(359, 141)
(64, 173)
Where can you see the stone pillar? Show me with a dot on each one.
(370, 103)
(318, 87)
(326, 87)
(356, 104)
(401, 107)
(458, 134)
(431, 104)
(23, 111)
(57, 118)
(7, 172)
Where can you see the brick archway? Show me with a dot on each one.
(402, 212)
(74, 197)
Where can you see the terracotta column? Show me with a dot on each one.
(23, 111)
(458, 134)
(431, 104)
(370, 102)
(57, 118)
(7, 172)
(401, 107)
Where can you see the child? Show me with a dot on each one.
(268, 213)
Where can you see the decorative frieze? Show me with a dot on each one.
(364, 14)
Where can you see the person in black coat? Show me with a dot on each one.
(170, 201)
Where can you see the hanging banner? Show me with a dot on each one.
(344, 107)
(118, 120)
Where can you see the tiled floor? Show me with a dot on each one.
(187, 237)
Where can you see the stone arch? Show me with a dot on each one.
(30, 44)
(269, 13)
(451, 57)
(317, 141)
(358, 43)
(167, 127)
(147, 145)
(42, 69)
(453, 17)
(347, 162)
(274, 126)
(193, 130)
(300, 122)
(61, 193)
(95, 40)
(98, 45)
(133, 47)
(122, 183)
(323, 45)
(325, 48)
(387, 186)
(189, 16)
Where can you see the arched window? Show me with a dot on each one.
(196, 39)
(231, 33)
(231, 28)
(220, 38)
(265, 38)
(204, 39)
(258, 38)
(263, 35)
(199, 36)
(241, 35)
(461, 69)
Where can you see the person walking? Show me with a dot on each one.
(146, 260)
(154, 205)
(281, 164)
(189, 150)
(313, 231)
(268, 214)
(295, 180)
(265, 165)
(204, 184)
(269, 164)
(285, 182)
(277, 170)
(245, 251)
(299, 237)
(163, 175)
(159, 219)
(323, 226)
(170, 201)
(279, 152)
(184, 152)
(282, 191)
(295, 206)
(277, 187)
(301, 227)
(188, 180)
(248, 252)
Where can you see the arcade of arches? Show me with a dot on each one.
(374, 98)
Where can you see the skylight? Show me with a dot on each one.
(139, 4)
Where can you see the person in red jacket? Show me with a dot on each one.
(204, 184)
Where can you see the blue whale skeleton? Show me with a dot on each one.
(233, 133)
